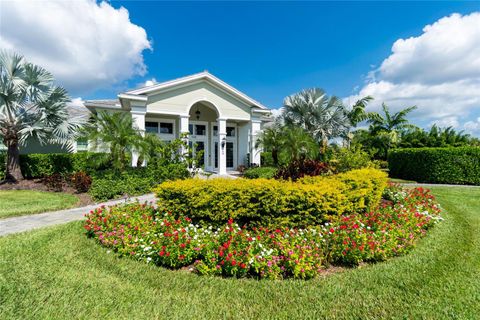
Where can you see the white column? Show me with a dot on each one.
(138, 122)
(255, 129)
(184, 129)
(222, 146)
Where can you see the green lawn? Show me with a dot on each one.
(21, 202)
(57, 273)
(396, 180)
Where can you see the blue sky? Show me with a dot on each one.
(403, 53)
(270, 50)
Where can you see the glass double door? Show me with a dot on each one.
(229, 152)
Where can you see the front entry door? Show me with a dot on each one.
(230, 147)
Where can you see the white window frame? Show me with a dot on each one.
(164, 136)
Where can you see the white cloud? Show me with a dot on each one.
(86, 45)
(150, 82)
(438, 71)
(276, 112)
(446, 122)
(473, 126)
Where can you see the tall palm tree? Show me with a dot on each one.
(390, 125)
(115, 131)
(271, 139)
(31, 106)
(322, 116)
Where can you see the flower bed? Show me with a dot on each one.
(144, 233)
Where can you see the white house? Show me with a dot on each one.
(219, 119)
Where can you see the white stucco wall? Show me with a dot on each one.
(181, 99)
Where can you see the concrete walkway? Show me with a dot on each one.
(34, 221)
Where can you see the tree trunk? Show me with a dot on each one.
(275, 157)
(13, 172)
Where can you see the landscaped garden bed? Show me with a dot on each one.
(171, 239)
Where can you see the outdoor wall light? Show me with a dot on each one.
(224, 141)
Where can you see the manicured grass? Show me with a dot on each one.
(58, 273)
(396, 180)
(21, 202)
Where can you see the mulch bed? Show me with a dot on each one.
(38, 185)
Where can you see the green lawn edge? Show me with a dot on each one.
(15, 203)
(58, 273)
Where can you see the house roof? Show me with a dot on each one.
(205, 75)
(78, 111)
(105, 103)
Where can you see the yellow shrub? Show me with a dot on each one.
(267, 202)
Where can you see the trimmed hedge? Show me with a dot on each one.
(460, 165)
(260, 172)
(107, 183)
(267, 202)
(39, 165)
(135, 181)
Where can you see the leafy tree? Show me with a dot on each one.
(435, 137)
(323, 117)
(31, 106)
(391, 123)
(115, 131)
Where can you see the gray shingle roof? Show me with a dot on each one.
(107, 103)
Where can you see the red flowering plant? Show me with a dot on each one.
(172, 240)
(390, 230)
(263, 253)
(139, 230)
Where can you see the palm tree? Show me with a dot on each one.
(115, 131)
(322, 116)
(31, 106)
(271, 139)
(358, 114)
(297, 144)
(390, 125)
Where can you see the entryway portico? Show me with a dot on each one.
(216, 118)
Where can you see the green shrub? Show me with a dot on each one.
(109, 184)
(272, 202)
(260, 172)
(346, 159)
(39, 165)
(266, 159)
(105, 189)
(436, 165)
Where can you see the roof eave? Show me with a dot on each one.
(199, 76)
